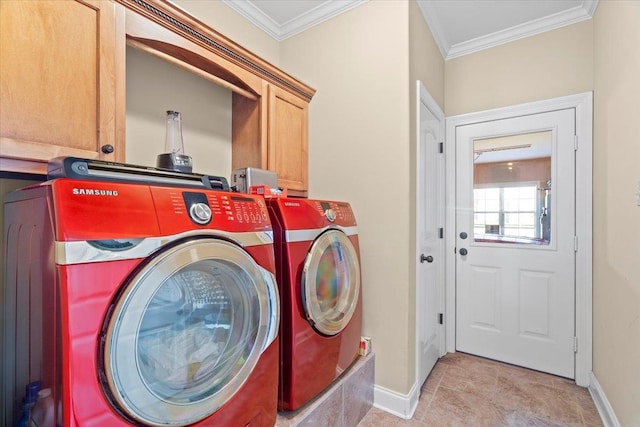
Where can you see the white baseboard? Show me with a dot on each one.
(400, 405)
(605, 410)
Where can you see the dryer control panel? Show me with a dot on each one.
(335, 211)
(305, 214)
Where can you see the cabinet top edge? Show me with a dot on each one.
(179, 21)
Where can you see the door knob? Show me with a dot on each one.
(463, 251)
(427, 258)
(463, 235)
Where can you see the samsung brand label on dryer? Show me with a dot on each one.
(94, 192)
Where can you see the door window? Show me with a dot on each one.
(186, 333)
(512, 189)
(331, 282)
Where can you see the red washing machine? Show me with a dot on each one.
(142, 304)
(318, 271)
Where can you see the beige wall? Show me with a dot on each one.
(552, 64)
(358, 151)
(155, 86)
(616, 216)
(426, 63)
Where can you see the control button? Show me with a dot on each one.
(200, 213)
(330, 214)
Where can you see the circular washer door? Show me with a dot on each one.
(186, 332)
(331, 282)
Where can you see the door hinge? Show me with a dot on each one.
(441, 233)
(441, 147)
(575, 344)
(440, 318)
(575, 243)
(575, 142)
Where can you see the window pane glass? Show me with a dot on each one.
(527, 219)
(512, 189)
(511, 205)
(492, 193)
(492, 218)
(512, 193)
(511, 220)
(493, 205)
(527, 205)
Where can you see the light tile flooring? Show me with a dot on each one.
(469, 391)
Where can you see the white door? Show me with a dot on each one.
(430, 242)
(515, 240)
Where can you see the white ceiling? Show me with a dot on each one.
(459, 27)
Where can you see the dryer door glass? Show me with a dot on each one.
(186, 332)
(331, 282)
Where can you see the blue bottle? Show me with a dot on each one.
(25, 418)
(28, 402)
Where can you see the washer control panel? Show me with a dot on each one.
(179, 209)
(240, 209)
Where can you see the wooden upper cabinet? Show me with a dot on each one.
(288, 140)
(58, 82)
(271, 133)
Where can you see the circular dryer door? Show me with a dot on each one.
(186, 332)
(331, 282)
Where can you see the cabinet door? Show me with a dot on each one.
(288, 140)
(58, 82)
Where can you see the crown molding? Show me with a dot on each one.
(429, 14)
(538, 26)
(531, 28)
(315, 16)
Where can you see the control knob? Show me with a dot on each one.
(200, 213)
(330, 214)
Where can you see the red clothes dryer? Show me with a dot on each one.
(142, 304)
(318, 272)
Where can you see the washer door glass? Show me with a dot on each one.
(186, 332)
(331, 282)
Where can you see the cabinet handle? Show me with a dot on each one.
(107, 149)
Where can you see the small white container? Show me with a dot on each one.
(43, 413)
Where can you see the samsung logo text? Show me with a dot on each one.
(94, 192)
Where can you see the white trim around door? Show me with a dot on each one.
(583, 105)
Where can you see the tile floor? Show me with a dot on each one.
(469, 391)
